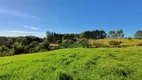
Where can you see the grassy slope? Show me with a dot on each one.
(77, 64)
(131, 42)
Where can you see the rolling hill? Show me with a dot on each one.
(75, 64)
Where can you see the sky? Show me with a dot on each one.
(35, 17)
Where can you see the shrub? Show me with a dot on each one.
(79, 43)
(129, 38)
(5, 51)
(18, 48)
(34, 44)
(37, 47)
(96, 45)
(67, 43)
(139, 44)
(59, 41)
(85, 43)
(29, 49)
(44, 46)
(115, 43)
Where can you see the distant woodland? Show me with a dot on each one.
(31, 44)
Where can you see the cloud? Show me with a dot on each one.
(31, 27)
(14, 33)
(16, 13)
(25, 32)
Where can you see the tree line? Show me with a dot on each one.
(31, 44)
(19, 45)
(95, 34)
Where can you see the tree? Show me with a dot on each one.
(112, 34)
(51, 36)
(102, 34)
(115, 34)
(119, 33)
(54, 37)
(18, 45)
(95, 34)
(138, 34)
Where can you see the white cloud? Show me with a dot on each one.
(22, 33)
(31, 27)
(16, 13)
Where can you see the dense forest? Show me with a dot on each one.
(30, 44)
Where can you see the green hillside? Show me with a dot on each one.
(75, 64)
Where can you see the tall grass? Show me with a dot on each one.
(75, 64)
(125, 42)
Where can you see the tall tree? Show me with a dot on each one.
(138, 34)
(119, 33)
(95, 34)
(112, 34)
(115, 34)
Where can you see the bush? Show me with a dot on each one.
(129, 38)
(85, 43)
(139, 44)
(18, 48)
(115, 43)
(33, 44)
(5, 51)
(37, 47)
(96, 45)
(29, 49)
(44, 46)
(79, 43)
(59, 41)
(67, 43)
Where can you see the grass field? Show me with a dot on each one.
(75, 64)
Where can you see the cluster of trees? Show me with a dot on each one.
(138, 34)
(97, 34)
(115, 34)
(56, 37)
(18, 45)
(94, 34)
(120, 34)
